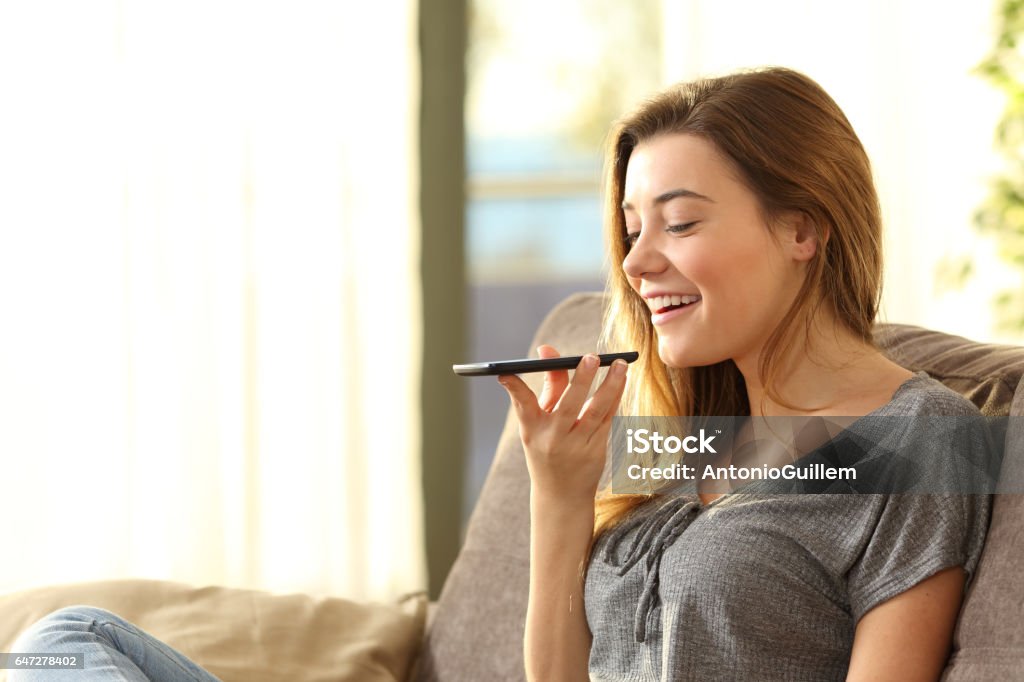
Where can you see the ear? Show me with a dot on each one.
(802, 236)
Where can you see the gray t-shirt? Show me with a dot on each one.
(770, 587)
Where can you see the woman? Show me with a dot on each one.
(745, 229)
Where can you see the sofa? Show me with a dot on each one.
(474, 632)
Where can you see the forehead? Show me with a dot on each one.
(675, 161)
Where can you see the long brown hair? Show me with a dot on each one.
(796, 151)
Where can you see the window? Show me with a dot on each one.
(545, 81)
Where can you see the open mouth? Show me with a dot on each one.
(664, 304)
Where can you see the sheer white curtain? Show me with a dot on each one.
(902, 72)
(208, 294)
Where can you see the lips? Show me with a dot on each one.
(669, 313)
(667, 302)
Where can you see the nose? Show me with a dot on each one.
(643, 258)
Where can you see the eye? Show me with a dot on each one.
(630, 238)
(676, 229)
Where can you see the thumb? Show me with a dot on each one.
(523, 400)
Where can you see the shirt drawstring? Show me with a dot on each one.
(655, 532)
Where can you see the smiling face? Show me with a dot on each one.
(717, 280)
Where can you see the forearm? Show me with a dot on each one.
(564, 436)
(557, 645)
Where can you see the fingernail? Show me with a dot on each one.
(501, 380)
(619, 366)
(590, 361)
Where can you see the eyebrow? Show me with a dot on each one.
(669, 196)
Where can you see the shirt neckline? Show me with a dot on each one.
(917, 376)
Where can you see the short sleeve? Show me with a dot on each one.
(916, 536)
(952, 457)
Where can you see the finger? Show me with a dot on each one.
(616, 402)
(555, 381)
(571, 403)
(523, 399)
(605, 402)
(601, 434)
(586, 406)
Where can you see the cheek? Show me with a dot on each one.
(709, 269)
(740, 277)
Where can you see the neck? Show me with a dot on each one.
(831, 371)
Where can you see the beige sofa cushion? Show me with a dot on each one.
(477, 633)
(245, 635)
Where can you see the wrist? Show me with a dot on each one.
(558, 503)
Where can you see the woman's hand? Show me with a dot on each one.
(565, 435)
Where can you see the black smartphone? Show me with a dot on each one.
(526, 365)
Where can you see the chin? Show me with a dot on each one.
(678, 359)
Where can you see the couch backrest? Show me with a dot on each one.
(477, 632)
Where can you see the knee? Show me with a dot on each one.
(59, 622)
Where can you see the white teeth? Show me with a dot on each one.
(659, 302)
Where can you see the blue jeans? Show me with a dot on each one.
(115, 650)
